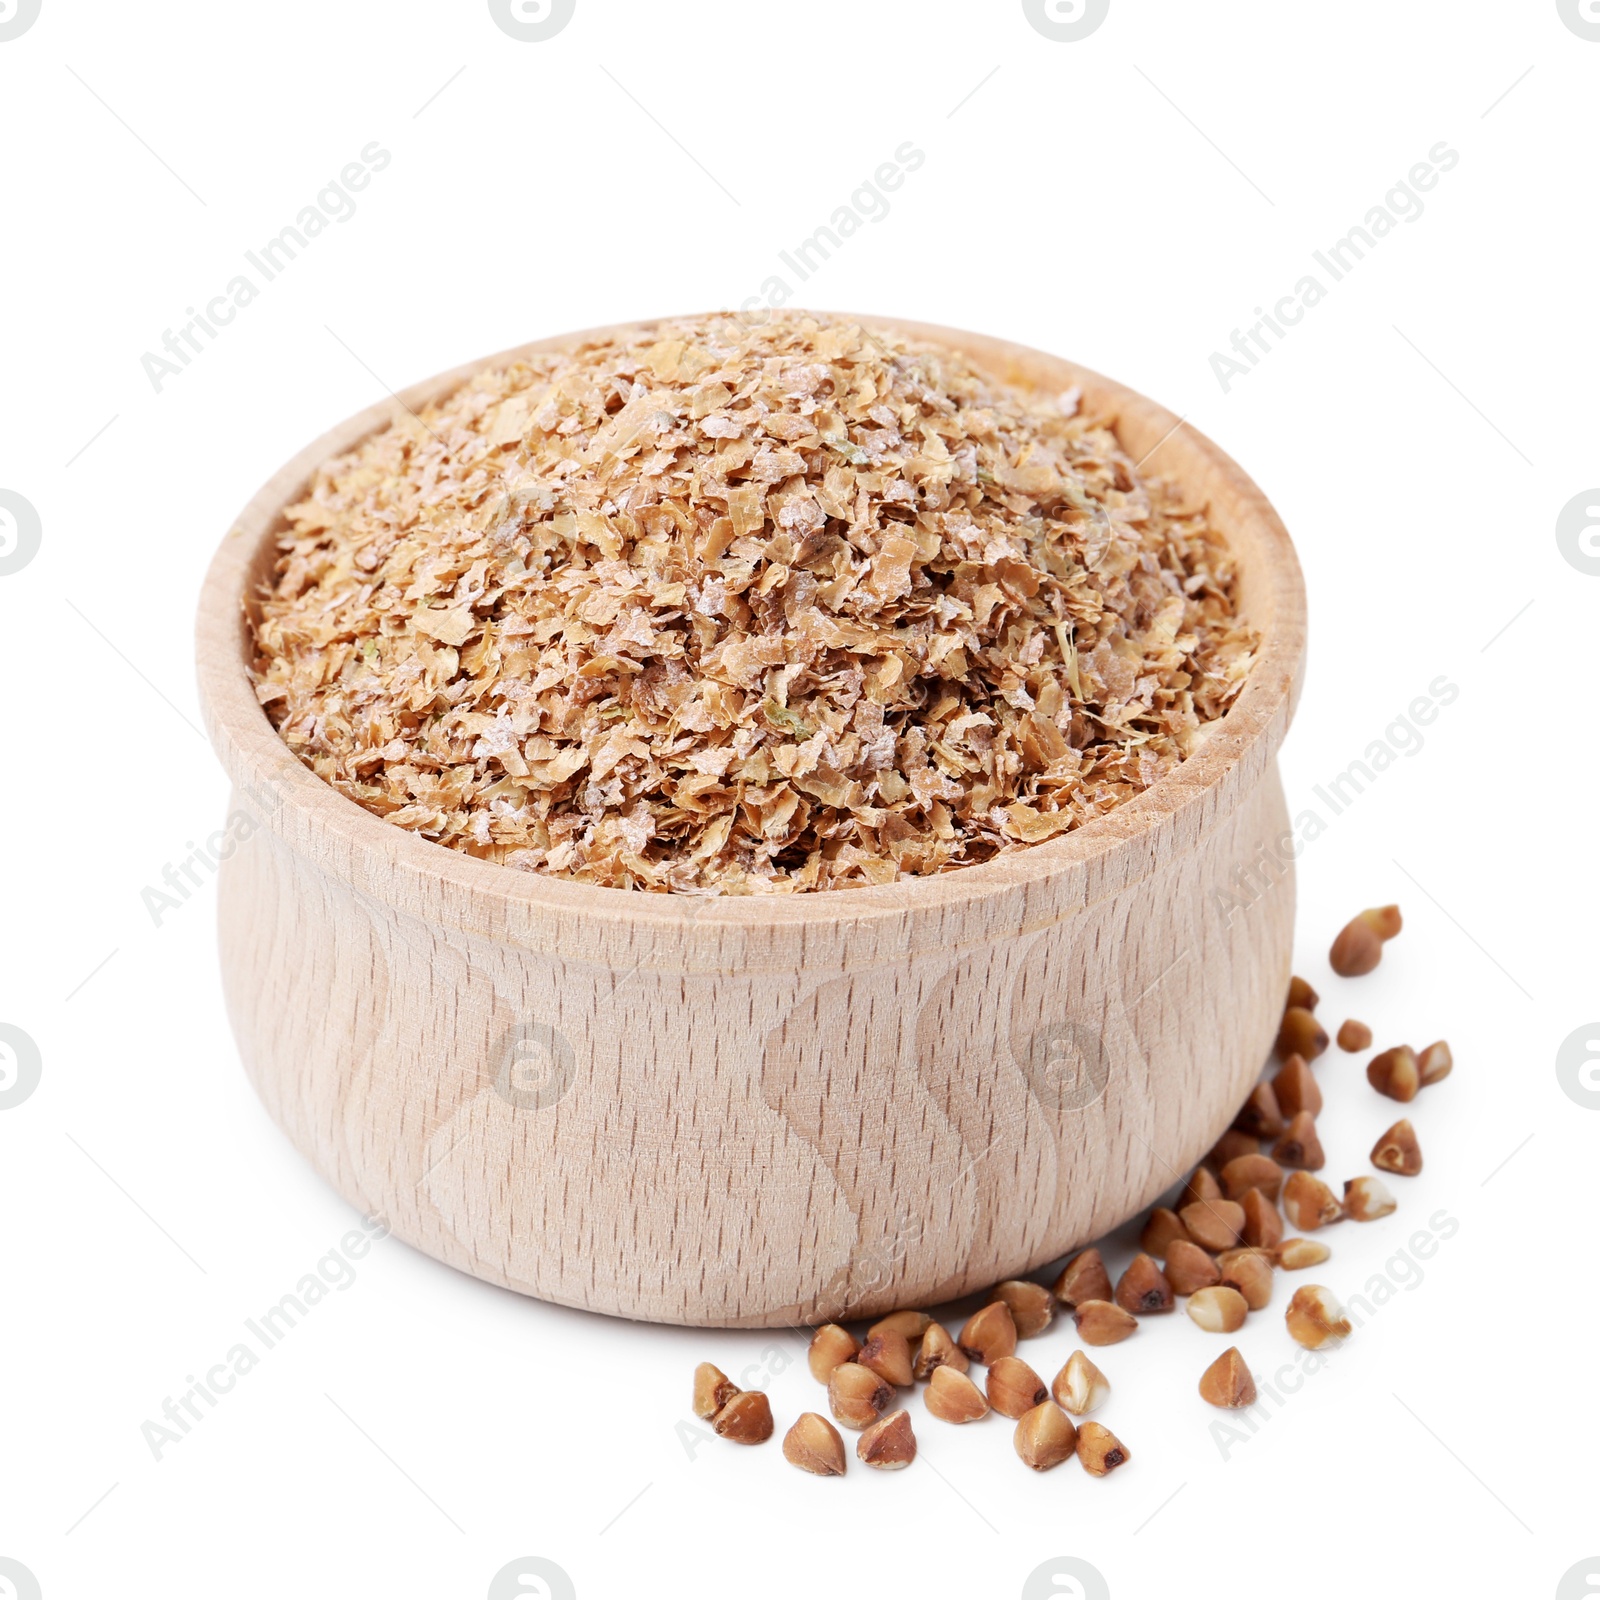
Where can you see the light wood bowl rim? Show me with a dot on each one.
(1117, 849)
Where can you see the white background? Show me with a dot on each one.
(1420, 431)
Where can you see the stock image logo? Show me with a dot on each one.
(20, 529)
(1065, 1578)
(1578, 529)
(20, 1069)
(1581, 1582)
(16, 1582)
(1068, 1064)
(531, 1578)
(16, 17)
(1578, 1068)
(1582, 16)
(532, 21)
(537, 1066)
(1065, 21)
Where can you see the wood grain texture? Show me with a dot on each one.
(745, 1112)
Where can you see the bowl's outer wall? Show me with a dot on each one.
(748, 1113)
(748, 1148)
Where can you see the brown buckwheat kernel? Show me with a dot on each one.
(857, 1396)
(1354, 1036)
(1218, 1309)
(1099, 1449)
(1359, 946)
(831, 1346)
(937, 1349)
(1395, 1073)
(813, 1444)
(1300, 1034)
(1397, 1150)
(989, 1334)
(1315, 1319)
(888, 1444)
(1190, 1268)
(1263, 1227)
(1250, 1272)
(952, 1396)
(1143, 1289)
(1300, 1146)
(1293, 1255)
(888, 1355)
(713, 1389)
(1248, 1174)
(746, 1418)
(1296, 1088)
(1301, 995)
(1227, 1381)
(1434, 1063)
(1356, 950)
(1080, 1385)
(1030, 1305)
(910, 1325)
(1100, 1322)
(1260, 1116)
(1045, 1436)
(1214, 1224)
(1309, 1203)
(1083, 1278)
(1367, 1198)
(1232, 1143)
(1013, 1387)
(1160, 1230)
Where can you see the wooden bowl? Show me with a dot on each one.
(746, 1112)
